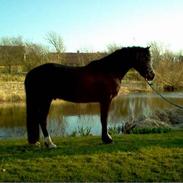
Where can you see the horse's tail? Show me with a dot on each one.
(31, 113)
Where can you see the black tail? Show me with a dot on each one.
(31, 115)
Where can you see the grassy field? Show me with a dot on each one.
(152, 157)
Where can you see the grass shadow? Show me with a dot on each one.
(70, 146)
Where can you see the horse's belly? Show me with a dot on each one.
(86, 93)
(78, 95)
(84, 87)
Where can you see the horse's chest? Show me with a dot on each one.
(114, 87)
(100, 85)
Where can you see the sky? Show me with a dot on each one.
(94, 24)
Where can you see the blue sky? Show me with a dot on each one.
(93, 24)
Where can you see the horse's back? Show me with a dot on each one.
(51, 72)
(52, 78)
(51, 68)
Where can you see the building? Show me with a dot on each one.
(75, 59)
(19, 55)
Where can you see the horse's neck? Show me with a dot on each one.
(108, 66)
(119, 70)
(123, 73)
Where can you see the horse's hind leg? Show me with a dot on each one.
(43, 112)
(104, 109)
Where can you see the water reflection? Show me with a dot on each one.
(64, 118)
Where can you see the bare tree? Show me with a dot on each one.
(56, 41)
(36, 54)
(156, 53)
(11, 41)
(169, 71)
(113, 47)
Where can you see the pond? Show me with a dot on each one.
(65, 118)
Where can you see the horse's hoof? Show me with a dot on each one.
(107, 139)
(50, 146)
(49, 143)
(37, 144)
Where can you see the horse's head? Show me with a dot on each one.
(142, 63)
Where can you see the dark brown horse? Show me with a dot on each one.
(99, 81)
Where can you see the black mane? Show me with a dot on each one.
(118, 61)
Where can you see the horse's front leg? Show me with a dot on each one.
(104, 109)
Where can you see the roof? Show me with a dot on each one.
(16, 54)
(69, 58)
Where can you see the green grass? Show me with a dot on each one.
(149, 157)
(150, 130)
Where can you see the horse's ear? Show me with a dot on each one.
(148, 47)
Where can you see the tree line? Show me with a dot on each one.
(14, 51)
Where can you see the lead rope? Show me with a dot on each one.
(168, 101)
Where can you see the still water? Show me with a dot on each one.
(65, 118)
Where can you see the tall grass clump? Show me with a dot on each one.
(81, 131)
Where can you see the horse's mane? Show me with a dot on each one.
(108, 62)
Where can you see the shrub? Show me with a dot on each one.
(81, 131)
(115, 130)
(150, 130)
